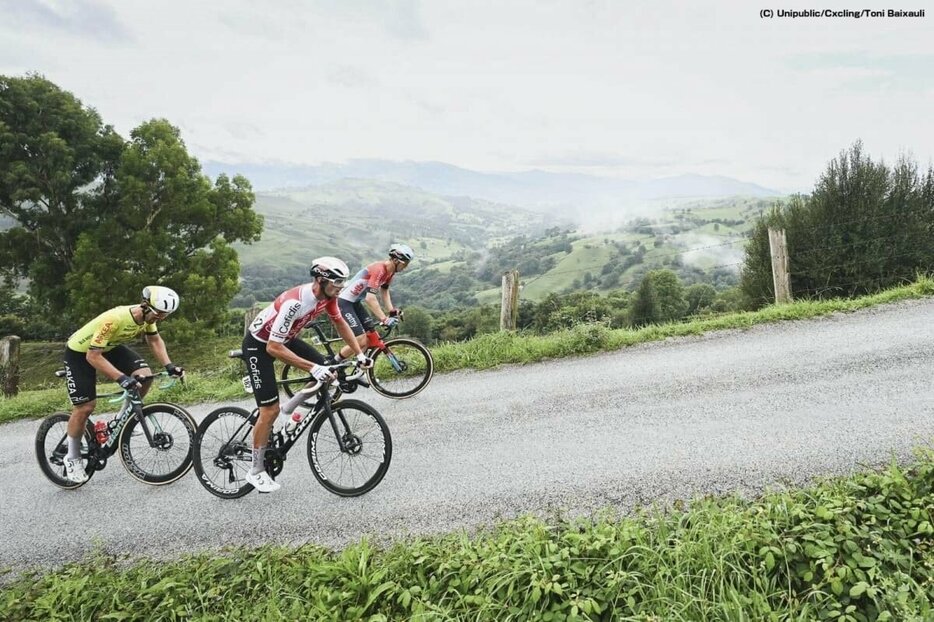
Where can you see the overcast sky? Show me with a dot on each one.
(628, 89)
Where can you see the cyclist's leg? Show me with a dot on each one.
(358, 320)
(130, 363)
(80, 378)
(306, 351)
(263, 378)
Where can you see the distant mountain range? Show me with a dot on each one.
(539, 190)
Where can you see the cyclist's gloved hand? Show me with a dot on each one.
(390, 321)
(175, 370)
(396, 313)
(129, 383)
(364, 361)
(321, 373)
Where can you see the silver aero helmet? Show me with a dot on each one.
(160, 299)
(330, 269)
(402, 252)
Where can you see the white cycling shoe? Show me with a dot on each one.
(74, 470)
(262, 482)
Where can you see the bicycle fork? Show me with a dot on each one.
(346, 440)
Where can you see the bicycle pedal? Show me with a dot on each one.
(363, 383)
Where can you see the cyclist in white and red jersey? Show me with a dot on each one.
(373, 280)
(273, 334)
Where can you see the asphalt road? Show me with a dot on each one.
(733, 411)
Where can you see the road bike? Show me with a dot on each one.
(154, 441)
(349, 446)
(402, 366)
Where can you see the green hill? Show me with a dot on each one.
(357, 220)
(464, 245)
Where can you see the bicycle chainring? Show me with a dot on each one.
(274, 462)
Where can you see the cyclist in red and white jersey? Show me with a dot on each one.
(371, 285)
(273, 334)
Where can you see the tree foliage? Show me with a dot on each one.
(645, 304)
(57, 160)
(98, 218)
(866, 226)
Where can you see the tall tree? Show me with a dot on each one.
(645, 304)
(864, 227)
(169, 225)
(669, 295)
(57, 160)
(97, 218)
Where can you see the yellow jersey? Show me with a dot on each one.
(109, 330)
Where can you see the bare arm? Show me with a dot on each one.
(373, 303)
(158, 348)
(387, 301)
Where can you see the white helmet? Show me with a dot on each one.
(330, 269)
(401, 252)
(160, 299)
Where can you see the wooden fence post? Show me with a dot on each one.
(509, 311)
(781, 278)
(9, 365)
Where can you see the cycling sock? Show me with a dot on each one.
(74, 448)
(259, 453)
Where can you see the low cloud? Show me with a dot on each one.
(82, 18)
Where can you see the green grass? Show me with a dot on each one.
(490, 296)
(848, 549)
(215, 378)
(498, 348)
(444, 267)
(435, 248)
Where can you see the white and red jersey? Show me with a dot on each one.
(285, 318)
(369, 279)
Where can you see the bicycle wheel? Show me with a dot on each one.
(223, 452)
(168, 456)
(359, 467)
(402, 369)
(52, 446)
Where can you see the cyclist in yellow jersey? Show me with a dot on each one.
(98, 346)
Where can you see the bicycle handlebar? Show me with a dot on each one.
(315, 385)
(173, 380)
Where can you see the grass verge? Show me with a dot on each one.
(850, 549)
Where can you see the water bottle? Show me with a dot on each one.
(100, 430)
(294, 420)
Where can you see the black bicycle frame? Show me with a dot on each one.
(282, 442)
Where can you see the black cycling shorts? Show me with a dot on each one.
(261, 370)
(356, 316)
(82, 377)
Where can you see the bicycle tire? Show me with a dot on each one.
(47, 456)
(223, 474)
(174, 425)
(388, 382)
(319, 440)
